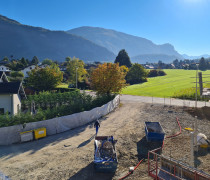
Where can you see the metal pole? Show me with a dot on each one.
(192, 149)
(196, 86)
(196, 132)
(76, 77)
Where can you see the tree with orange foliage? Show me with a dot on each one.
(108, 78)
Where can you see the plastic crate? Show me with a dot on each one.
(26, 136)
(40, 133)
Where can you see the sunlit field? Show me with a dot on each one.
(165, 86)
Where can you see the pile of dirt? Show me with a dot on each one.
(201, 113)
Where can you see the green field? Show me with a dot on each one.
(175, 80)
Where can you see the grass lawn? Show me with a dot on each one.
(63, 85)
(175, 80)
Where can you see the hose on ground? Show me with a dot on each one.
(180, 130)
(131, 171)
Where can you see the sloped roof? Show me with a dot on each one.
(9, 87)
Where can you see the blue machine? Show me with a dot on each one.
(154, 131)
(105, 157)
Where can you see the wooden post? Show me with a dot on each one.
(200, 83)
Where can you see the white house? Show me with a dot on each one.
(62, 68)
(28, 69)
(44, 66)
(4, 68)
(3, 77)
(11, 94)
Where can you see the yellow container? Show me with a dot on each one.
(204, 146)
(39, 133)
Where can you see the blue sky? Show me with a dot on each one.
(183, 23)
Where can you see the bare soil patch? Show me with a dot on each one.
(202, 113)
(69, 155)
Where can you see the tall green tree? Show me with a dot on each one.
(45, 79)
(23, 62)
(5, 59)
(34, 61)
(203, 64)
(136, 74)
(75, 67)
(123, 59)
(47, 61)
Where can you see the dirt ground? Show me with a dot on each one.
(69, 155)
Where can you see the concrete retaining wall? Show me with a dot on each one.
(10, 135)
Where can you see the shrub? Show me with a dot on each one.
(155, 73)
(161, 73)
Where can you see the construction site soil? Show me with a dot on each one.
(69, 155)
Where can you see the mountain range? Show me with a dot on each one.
(86, 43)
(26, 41)
(195, 57)
(139, 49)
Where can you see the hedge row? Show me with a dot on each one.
(82, 102)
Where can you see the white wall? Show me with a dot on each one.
(4, 68)
(5, 102)
(16, 102)
(28, 69)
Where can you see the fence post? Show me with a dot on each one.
(164, 100)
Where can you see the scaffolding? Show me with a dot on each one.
(165, 168)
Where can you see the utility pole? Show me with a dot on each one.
(196, 96)
(76, 76)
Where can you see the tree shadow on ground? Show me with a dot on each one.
(89, 173)
(143, 147)
(86, 142)
(36, 145)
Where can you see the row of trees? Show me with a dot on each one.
(204, 64)
(19, 64)
(107, 78)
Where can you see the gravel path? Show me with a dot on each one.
(163, 101)
(69, 155)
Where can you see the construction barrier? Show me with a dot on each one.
(11, 134)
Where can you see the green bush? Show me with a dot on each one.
(155, 73)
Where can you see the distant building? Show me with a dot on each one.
(28, 69)
(44, 66)
(62, 68)
(149, 66)
(11, 94)
(4, 68)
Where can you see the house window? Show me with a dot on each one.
(1, 111)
